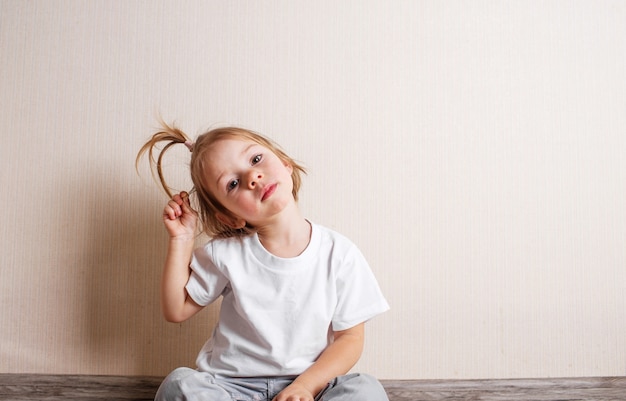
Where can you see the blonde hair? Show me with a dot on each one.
(207, 205)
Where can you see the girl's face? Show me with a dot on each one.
(249, 180)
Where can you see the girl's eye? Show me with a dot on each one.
(257, 159)
(232, 184)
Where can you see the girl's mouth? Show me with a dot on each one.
(268, 191)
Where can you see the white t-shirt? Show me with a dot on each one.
(278, 314)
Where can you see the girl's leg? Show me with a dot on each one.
(353, 387)
(185, 384)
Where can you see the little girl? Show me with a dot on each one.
(295, 295)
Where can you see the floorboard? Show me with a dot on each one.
(19, 387)
(566, 389)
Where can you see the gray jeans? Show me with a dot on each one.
(185, 384)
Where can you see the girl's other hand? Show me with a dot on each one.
(294, 392)
(179, 218)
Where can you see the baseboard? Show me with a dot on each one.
(18, 387)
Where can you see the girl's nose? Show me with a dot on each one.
(253, 178)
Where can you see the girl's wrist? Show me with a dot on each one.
(182, 240)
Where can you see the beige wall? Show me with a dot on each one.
(473, 150)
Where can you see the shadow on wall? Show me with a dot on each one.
(124, 254)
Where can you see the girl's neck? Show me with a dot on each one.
(287, 237)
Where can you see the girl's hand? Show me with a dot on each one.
(294, 392)
(179, 218)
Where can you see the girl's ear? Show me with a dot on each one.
(232, 222)
(289, 166)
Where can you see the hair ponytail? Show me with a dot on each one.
(172, 136)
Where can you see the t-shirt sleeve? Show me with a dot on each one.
(359, 297)
(206, 282)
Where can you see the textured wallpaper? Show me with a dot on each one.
(474, 151)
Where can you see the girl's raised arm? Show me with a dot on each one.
(180, 221)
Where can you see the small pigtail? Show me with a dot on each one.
(172, 136)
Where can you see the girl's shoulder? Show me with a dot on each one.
(335, 239)
(215, 246)
(232, 243)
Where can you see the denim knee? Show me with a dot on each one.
(170, 388)
(353, 387)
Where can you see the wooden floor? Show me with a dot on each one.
(87, 388)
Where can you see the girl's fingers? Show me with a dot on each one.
(186, 204)
(169, 212)
(178, 199)
(178, 206)
(173, 209)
